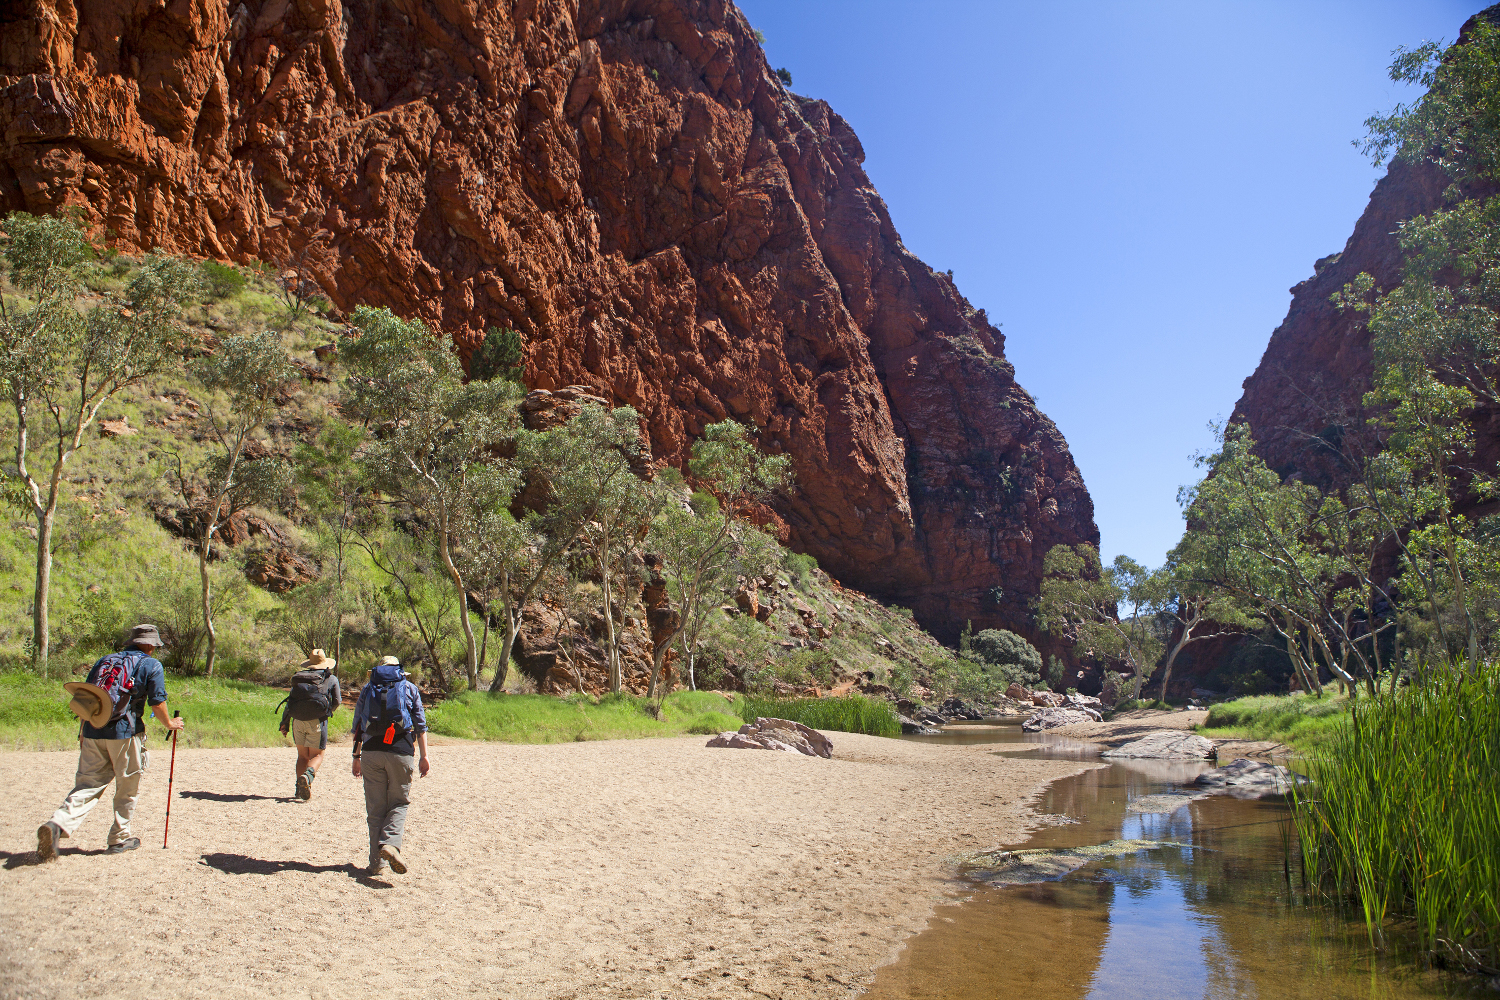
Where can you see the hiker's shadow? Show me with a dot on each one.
(240, 864)
(234, 797)
(24, 859)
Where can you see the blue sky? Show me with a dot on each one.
(1129, 189)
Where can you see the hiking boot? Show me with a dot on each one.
(304, 785)
(124, 845)
(392, 855)
(46, 842)
(378, 868)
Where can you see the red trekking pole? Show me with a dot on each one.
(171, 772)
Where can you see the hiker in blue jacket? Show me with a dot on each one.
(111, 740)
(389, 725)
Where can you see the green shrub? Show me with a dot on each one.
(800, 567)
(849, 714)
(1401, 814)
(500, 356)
(1005, 649)
(224, 280)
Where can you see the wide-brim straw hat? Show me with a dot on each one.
(91, 703)
(389, 661)
(319, 659)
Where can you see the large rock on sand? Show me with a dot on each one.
(1246, 778)
(1165, 744)
(776, 734)
(1052, 718)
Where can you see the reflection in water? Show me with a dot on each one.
(1212, 918)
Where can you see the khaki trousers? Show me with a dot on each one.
(99, 763)
(387, 794)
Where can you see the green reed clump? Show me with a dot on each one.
(849, 714)
(1403, 813)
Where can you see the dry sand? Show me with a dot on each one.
(644, 868)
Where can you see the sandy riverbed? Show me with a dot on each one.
(643, 868)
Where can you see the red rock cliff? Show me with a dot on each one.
(626, 183)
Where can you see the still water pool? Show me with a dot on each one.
(1218, 914)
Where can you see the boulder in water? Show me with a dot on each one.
(1246, 778)
(1052, 718)
(1165, 744)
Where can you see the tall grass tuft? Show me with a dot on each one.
(849, 714)
(1403, 814)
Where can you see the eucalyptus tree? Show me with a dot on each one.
(1436, 336)
(334, 489)
(60, 364)
(438, 440)
(1109, 611)
(697, 539)
(245, 378)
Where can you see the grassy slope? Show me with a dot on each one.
(1297, 720)
(220, 713)
(533, 718)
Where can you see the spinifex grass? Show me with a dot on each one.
(850, 714)
(1403, 813)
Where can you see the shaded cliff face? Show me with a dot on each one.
(626, 183)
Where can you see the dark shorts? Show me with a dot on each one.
(313, 735)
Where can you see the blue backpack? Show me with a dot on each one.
(115, 675)
(387, 701)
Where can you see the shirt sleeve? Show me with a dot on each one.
(418, 716)
(156, 682)
(338, 694)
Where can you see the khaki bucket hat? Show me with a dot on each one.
(147, 635)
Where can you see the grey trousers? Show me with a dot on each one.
(387, 794)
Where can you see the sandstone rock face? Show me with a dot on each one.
(623, 181)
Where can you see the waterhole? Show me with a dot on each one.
(1137, 888)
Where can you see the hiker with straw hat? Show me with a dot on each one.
(314, 697)
(112, 739)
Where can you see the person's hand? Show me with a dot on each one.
(283, 730)
(175, 723)
(356, 767)
(423, 766)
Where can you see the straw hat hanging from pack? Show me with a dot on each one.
(91, 703)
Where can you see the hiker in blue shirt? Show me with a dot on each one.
(388, 725)
(112, 740)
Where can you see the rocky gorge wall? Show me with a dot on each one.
(623, 181)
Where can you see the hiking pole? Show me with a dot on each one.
(171, 773)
